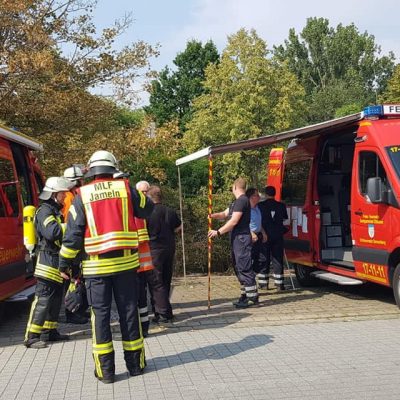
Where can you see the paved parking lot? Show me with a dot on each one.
(325, 343)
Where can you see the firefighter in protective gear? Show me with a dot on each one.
(75, 175)
(101, 223)
(46, 305)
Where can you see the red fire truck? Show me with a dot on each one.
(20, 183)
(340, 181)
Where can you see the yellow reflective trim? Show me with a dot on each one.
(67, 252)
(90, 271)
(111, 261)
(111, 235)
(142, 199)
(30, 316)
(48, 220)
(124, 202)
(45, 271)
(72, 211)
(35, 328)
(114, 244)
(90, 220)
(103, 345)
(96, 358)
(50, 325)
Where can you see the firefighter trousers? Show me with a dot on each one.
(124, 287)
(241, 255)
(142, 303)
(45, 308)
(273, 256)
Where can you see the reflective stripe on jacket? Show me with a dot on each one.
(48, 225)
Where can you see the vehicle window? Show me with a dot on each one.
(22, 168)
(8, 190)
(394, 154)
(295, 178)
(39, 183)
(370, 166)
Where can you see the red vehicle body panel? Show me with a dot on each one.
(375, 228)
(20, 178)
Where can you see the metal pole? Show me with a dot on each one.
(210, 188)
(182, 232)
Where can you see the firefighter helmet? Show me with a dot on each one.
(73, 173)
(55, 184)
(101, 163)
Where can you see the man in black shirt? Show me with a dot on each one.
(238, 224)
(273, 213)
(162, 225)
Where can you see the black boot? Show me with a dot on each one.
(54, 336)
(34, 342)
(73, 318)
(105, 379)
(239, 300)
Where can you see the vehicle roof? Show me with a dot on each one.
(18, 137)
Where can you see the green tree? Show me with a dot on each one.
(336, 66)
(248, 94)
(172, 94)
(392, 93)
(50, 58)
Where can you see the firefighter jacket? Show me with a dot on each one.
(49, 228)
(145, 260)
(101, 224)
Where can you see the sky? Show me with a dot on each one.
(171, 23)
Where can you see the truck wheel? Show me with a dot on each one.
(396, 285)
(303, 275)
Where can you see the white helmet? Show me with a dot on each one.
(73, 173)
(119, 174)
(101, 162)
(55, 184)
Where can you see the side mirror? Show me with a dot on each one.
(375, 190)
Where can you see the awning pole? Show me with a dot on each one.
(182, 232)
(210, 190)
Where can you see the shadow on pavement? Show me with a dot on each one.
(218, 351)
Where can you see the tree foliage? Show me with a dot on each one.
(247, 95)
(336, 66)
(173, 92)
(392, 93)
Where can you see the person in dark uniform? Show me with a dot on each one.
(238, 215)
(273, 214)
(258, 236)
(162, 225)
(101, 223)
(43, 318)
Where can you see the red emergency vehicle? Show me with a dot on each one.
(20, 184)
(340, 181)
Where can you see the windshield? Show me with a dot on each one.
(394, 155)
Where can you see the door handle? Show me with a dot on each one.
(359, 212)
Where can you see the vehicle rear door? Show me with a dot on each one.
(12, 251)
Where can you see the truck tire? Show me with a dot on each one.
(396, 284)
(303, 275)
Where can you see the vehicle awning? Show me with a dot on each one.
(267, 140)
(20, 138)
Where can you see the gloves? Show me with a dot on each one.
(75, 296)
